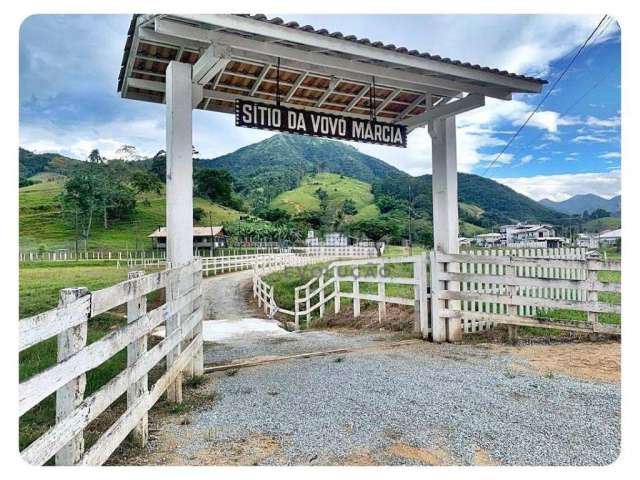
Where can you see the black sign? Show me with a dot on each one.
(294, 120)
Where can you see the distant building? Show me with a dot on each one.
(203, 237)
(333, 239)
(530, 235)
(587, 240)
(610, 237)
(464, 241)
(487, 239)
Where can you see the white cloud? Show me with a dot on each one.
(561, 187)
(610, 155)
(526, 159)
(610, 122)
(588, 139)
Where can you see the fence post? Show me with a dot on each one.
(438, 324)
(136, 308)
(308, 305)
(174, 391)
(69, 396)
(296, 307)
(592, 296)
(197, 363)
(356, 292)
(336, 289)
(272, 302)
(512, 310)
(382, 306)
(321, 295)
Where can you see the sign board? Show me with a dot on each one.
(317, 124)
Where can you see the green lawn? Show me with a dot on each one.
(42, 222)
(339, 188)
(40, 284)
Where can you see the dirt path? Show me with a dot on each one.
(226, 296)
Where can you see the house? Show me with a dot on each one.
(333, 239)
(587, 240)
(610, 237)
(531, 236)
(203, 237)
(312, 240)
(464, 241)
(487, 239)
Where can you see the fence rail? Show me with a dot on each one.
(182, 347)
(522, 287)
(327, 288)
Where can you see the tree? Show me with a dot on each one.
(159, 165)
(376, 229)
(95, 157)
(349, 207)
(198, 214)
(214, 184)
(83, 195)
(276, 215)
(143, 181)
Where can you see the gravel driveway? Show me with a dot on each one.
(421, 404)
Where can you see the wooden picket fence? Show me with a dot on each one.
(519, 288)
(182, 315)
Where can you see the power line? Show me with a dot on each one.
(576, 102)
(555, 83)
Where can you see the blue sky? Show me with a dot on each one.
(68, 101)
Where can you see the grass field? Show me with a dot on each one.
(338, 188)
(40, 284)
(42, 222)
(600, 224)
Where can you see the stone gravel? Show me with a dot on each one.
(453, 399)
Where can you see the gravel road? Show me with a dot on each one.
(418, 404)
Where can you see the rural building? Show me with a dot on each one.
(203, 237)
(333, 239)
(587, 240)
(610, 237)
(487, 239)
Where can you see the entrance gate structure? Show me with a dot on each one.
(216, 62)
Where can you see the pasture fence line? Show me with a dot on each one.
(523, 287)
(179, 351)
(327, 287)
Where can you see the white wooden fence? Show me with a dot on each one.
(328, 287)
(182, 315)
(521, 287)
(481, 288)
(346, 251)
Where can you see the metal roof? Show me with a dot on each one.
(319, 70)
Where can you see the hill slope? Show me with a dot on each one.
(577, 204)
(42, 222)
(338, 187)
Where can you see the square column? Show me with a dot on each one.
(179, 203)
(445, 221)
(179, 164)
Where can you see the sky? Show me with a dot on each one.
(69, 103)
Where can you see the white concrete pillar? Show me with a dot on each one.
(445, 219)
(179, 164)
(179, 199)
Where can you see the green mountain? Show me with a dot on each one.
(589, 202)
(265, 170)
(279, 164)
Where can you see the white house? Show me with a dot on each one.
(610, 237)
(587, 240)
(487, 239)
